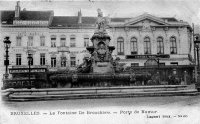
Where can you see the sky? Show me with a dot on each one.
(186, 10)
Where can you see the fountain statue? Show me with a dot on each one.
(101, 22)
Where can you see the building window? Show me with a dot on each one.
(42, 59)
(30, 40)
(72, 41)
(73, 61)
(86, 41)
(63, 61)
(147, 45)
(63, 41)
(18, 59)
(53, 41)
(134, 64)
(18, 41)
(53, 61)
(120, 46)
(42, 40)
(30, 61)
(133, 45)
(160, 45)
(173, 46)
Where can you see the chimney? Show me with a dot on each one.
(17, 11)
(79, 17)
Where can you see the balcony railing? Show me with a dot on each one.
(63, 49)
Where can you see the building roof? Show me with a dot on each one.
(71, 21)
(119, 19)
(89, 20)
(170, 19)
(35, 15)
(7, 17)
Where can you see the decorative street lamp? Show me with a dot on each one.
(7, 44)
(197, 48)
(197, 42)
(29, 67)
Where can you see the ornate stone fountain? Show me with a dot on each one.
(100, 69)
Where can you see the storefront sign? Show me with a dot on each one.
(26, 70)
(147, 56)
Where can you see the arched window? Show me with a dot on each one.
(53, 40)
(72, 41)
(62, 40)
(133, 45)
(147, 45)
(160, 45)
(173, 45)
(120, 46)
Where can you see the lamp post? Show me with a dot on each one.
(7, 43)
(197, 48)
(29, 68)
(197, 42)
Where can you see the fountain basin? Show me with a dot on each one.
(98, 79)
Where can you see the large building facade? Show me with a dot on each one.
(60, 42)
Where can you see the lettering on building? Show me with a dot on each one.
(30, 23)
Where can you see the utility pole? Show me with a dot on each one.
(7, 43)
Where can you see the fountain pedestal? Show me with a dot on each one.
(101, 53)
(102, 67)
